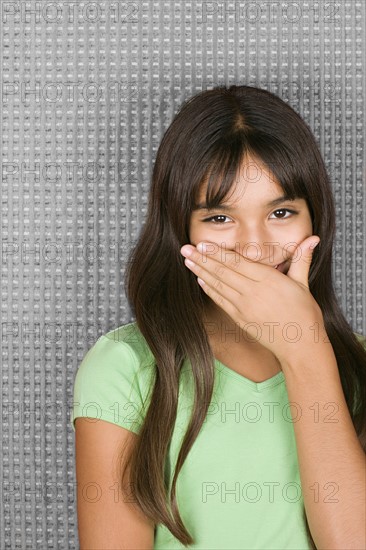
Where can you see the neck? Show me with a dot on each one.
(224, 333)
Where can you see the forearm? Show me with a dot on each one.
(332, 462)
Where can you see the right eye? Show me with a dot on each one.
(216, 218)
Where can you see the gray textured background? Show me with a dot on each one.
(88, 89)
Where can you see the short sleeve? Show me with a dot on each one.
(111, 384)
(361, 338)
(358, 398)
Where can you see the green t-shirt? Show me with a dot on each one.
(239, 487)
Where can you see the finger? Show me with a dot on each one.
(221, 280)
(208, 255)
(300, 267)
(219, 297)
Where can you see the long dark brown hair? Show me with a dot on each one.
(206, 142)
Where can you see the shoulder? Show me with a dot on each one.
(119, 354)
(114, 378)
(125, 342)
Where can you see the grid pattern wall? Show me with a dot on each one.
(88, 89)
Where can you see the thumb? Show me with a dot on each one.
(301, 261)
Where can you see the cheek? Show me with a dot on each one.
(306, 227)
(203, 232)
(192, 232)
(297, 233)
(199, 232)
(196, 236)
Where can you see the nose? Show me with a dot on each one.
(252, 250)
(256, 252)
(259, 248)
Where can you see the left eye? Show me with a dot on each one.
(284, 210)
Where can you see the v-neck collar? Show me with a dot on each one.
(257, 386)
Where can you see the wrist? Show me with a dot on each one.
(308, 355)
(309, 344)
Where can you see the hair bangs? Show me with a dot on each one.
(282, 164)
(223, 172)
(225, 167)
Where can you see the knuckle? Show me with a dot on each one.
(217, 285)
(219, 270)
(233, 260)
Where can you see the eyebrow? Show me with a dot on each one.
(223, 206)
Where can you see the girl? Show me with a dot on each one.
(231, 414)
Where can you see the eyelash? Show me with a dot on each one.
(278, 210)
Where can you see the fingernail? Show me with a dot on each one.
(313, 245)
(186, 250)
(201, 247)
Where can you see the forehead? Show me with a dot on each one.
(253, 178)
